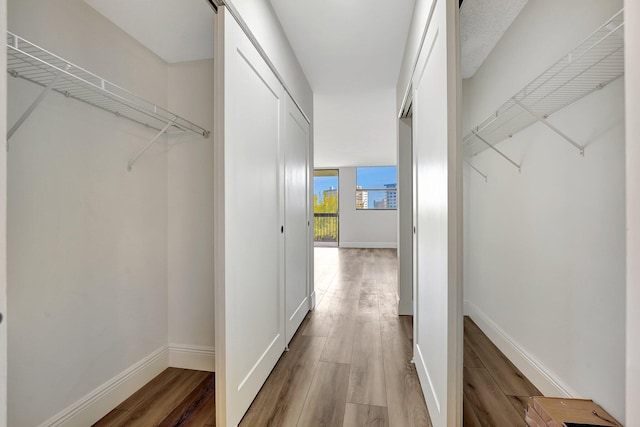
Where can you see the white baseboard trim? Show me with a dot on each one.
(543, 378)
(197, 357)
(312, 300)
(104, 398)
(368, 245)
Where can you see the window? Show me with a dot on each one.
(325, 207)
(376, 187)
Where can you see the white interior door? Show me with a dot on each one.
(438, 321)
(296, 191)
(253, 330)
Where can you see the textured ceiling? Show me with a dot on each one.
(482, 24)
(176, 31)
(350, 45)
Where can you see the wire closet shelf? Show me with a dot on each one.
(596, 62)
(37, 65)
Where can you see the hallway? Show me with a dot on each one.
(349, 364)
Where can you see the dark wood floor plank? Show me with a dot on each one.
(357, 415)
(490, 405)
(471, 359)
(282, 397)
(159, 399)
(405, 402)
(157, 385)
(510, 380)
(366, 379)
(196, 409)
(469, 418)
(520, 403)
(113, 418)
(326, 400)
(159, 404)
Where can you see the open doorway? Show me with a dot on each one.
(325, 207)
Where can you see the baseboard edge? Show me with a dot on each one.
(104, 398)
(196, 357)
(369, 245)
(543, 378)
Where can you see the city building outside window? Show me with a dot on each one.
(376, 187)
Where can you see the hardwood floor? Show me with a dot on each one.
(348, 365)
(496, 393)
(176, 397)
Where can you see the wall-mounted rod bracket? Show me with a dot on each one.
(476, 169)
(550, 126)
(146, 147)
(504, 156)
(35, 103)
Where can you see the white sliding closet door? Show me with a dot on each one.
(438, 308)
(254, 311)
(296, 173)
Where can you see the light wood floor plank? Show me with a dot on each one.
(388, 303)
(368, 302)
(405, 402)
(366, 379)
(282, 397)
(365, 416)
(326, 401)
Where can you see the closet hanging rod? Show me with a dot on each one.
(593, 64)
(37, 65)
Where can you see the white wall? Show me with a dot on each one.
(190, 218)
(632, 92)
(546, 248)
(363, 228)
(261, 20)
(355, 129)
(88, 241)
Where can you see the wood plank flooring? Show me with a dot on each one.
(496, 393)
(176, 397)
(349, 364)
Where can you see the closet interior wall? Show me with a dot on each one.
(545, 249)
(106, 267)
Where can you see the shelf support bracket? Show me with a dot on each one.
(476, 169)
(146, 147)
(504, 156)
(34, 105)
(544, 121)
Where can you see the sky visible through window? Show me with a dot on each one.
(367, 177)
